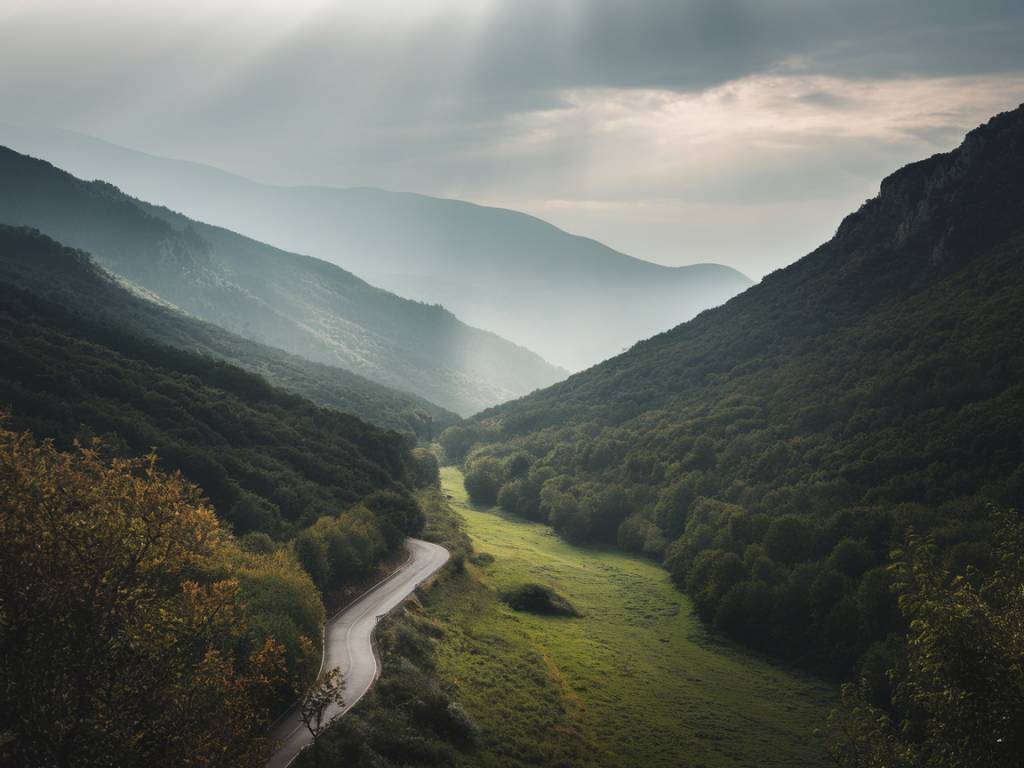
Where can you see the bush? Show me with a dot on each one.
(536, 598)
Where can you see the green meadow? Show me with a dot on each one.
(634, 681)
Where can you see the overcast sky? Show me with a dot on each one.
(675, 130)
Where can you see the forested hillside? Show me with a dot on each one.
(146, 630)
(32, 261)
(498, 269)
(269, 460)
(306, 306)
(772, 451)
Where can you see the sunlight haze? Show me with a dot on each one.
(734, 132)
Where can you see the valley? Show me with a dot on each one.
(635, 680)
(314, 454)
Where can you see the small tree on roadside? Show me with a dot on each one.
(316, 703)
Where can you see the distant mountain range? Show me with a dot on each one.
(571, 299)
(297, 303)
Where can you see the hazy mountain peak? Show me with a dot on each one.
(299, 303)
(570, 298)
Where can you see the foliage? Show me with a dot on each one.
(409, 718)
(321, 700)
(335, 550)
(957, 696)
(126, 636)
(484, 478)
(426, 468)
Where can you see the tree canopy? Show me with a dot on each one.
(132, 628)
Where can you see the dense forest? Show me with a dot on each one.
(773, 451)
(269, 461)
(309, 307)
(32, 262)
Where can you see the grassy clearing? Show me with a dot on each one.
(634, 681)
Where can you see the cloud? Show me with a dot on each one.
(647, 105)
(752, 173)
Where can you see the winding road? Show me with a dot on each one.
(348, 644)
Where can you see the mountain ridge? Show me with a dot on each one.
(90, 290)
(570, 298)
(287, 300)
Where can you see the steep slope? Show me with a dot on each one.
(309, 307)
(268, 460)
(571, 299)
(774, 449)
(84, 287)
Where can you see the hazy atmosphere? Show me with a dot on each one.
(679, 132)
(512, 384)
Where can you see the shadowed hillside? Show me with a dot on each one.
(31, 261)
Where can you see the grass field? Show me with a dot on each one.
(635, 681)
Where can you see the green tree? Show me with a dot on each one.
(674, 505)
(958, 699)
(457, 440)
(483, 480)
(426, 470)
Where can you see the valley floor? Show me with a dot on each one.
(634, 681)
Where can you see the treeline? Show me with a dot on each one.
(774, 451)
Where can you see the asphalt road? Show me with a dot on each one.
(348, 645)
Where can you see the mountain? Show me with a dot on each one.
(86, 288)
(571, 299)
(298, 303)
(773, 450)
(268, 460)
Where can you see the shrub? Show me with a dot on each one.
(537, 598)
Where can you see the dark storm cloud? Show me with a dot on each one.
(695, 45)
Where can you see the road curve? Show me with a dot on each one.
(348, 645)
